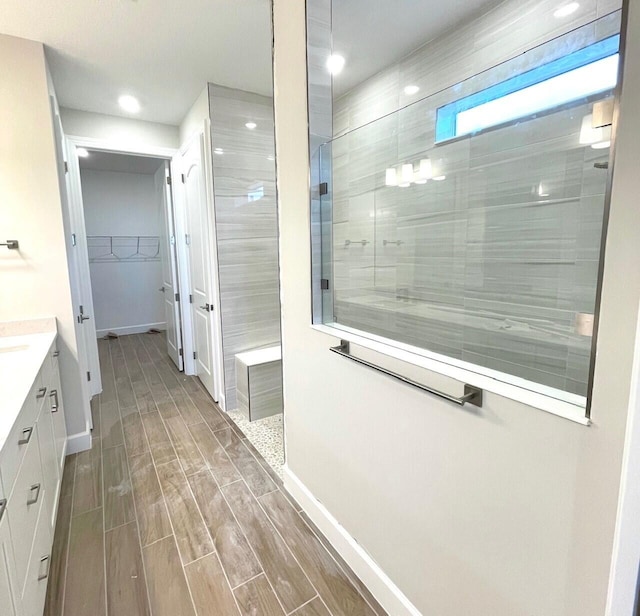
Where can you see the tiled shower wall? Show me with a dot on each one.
(491, 265)
(497, 35)
(246, 224)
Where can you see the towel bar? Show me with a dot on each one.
(472, 395)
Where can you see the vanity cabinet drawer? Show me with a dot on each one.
(57, 414)
(8, 594)
(21, 436)
(49, 459)
(35, 587)
(24, 505)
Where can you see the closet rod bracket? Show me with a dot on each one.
(11, 244)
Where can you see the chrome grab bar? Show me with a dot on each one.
(472, 395)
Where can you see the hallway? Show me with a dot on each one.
(172, 512)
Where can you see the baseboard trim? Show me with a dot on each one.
(371, 575)
(78, 442)
(222, 403)
(131, 329)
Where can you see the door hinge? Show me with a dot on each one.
(183, 180)
(180, 352)
(324, 284)
(177, 297)
(66, 167)
(323, 188)
(190, 298)
(169, 180)
(88, 375)
(194, 355)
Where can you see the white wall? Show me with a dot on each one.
(194, 120)
(125, 294)
(128, 134)
(503, 511)
(34, 280)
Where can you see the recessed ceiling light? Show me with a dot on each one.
(335, 63)
(218, 151)
(601, 145)
(251, 125)
(129, 103)
(411, 90)
(566, 10)
(439, 178)
(82, 152)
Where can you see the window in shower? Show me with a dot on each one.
(589, 71)
(465, 226)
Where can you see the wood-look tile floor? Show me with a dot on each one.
(174, 513)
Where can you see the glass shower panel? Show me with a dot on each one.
(482, 249)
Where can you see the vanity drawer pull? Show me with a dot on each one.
(34, 488)
(41, 392)
(54, 405)
(3, 507)
(56, 353)
(44, 576)
(25, 439)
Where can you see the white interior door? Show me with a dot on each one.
(85, 310)
(199, 248)
(169, 266)
(72, 258)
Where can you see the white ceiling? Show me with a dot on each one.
(124, 163)
(165, 51)
(373, 34)
(161, 51)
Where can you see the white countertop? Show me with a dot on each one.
(23, 348)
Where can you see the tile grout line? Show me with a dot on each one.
(233, 513)
(290, 551)
(155, 359)
(104, 522)
(267, 517)
(306, 603)
(346, 574)
(279, 489)
(135, 509)
(164, 498)
(226, 502)
(234, 588)
(186, 481)
(66, 549)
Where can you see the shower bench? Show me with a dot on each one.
(259, 382)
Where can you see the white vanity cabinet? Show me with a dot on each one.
(31, 463)
(7, 563)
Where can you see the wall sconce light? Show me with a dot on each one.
(425, 171)
(597, 138)
(407, 174)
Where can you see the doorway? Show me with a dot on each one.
(142, 219)
(125, 222)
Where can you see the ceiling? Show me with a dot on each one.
(108, 161)
(373, 34)
(161, 51)
(165, 51)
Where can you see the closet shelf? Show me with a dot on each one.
(123, 248)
